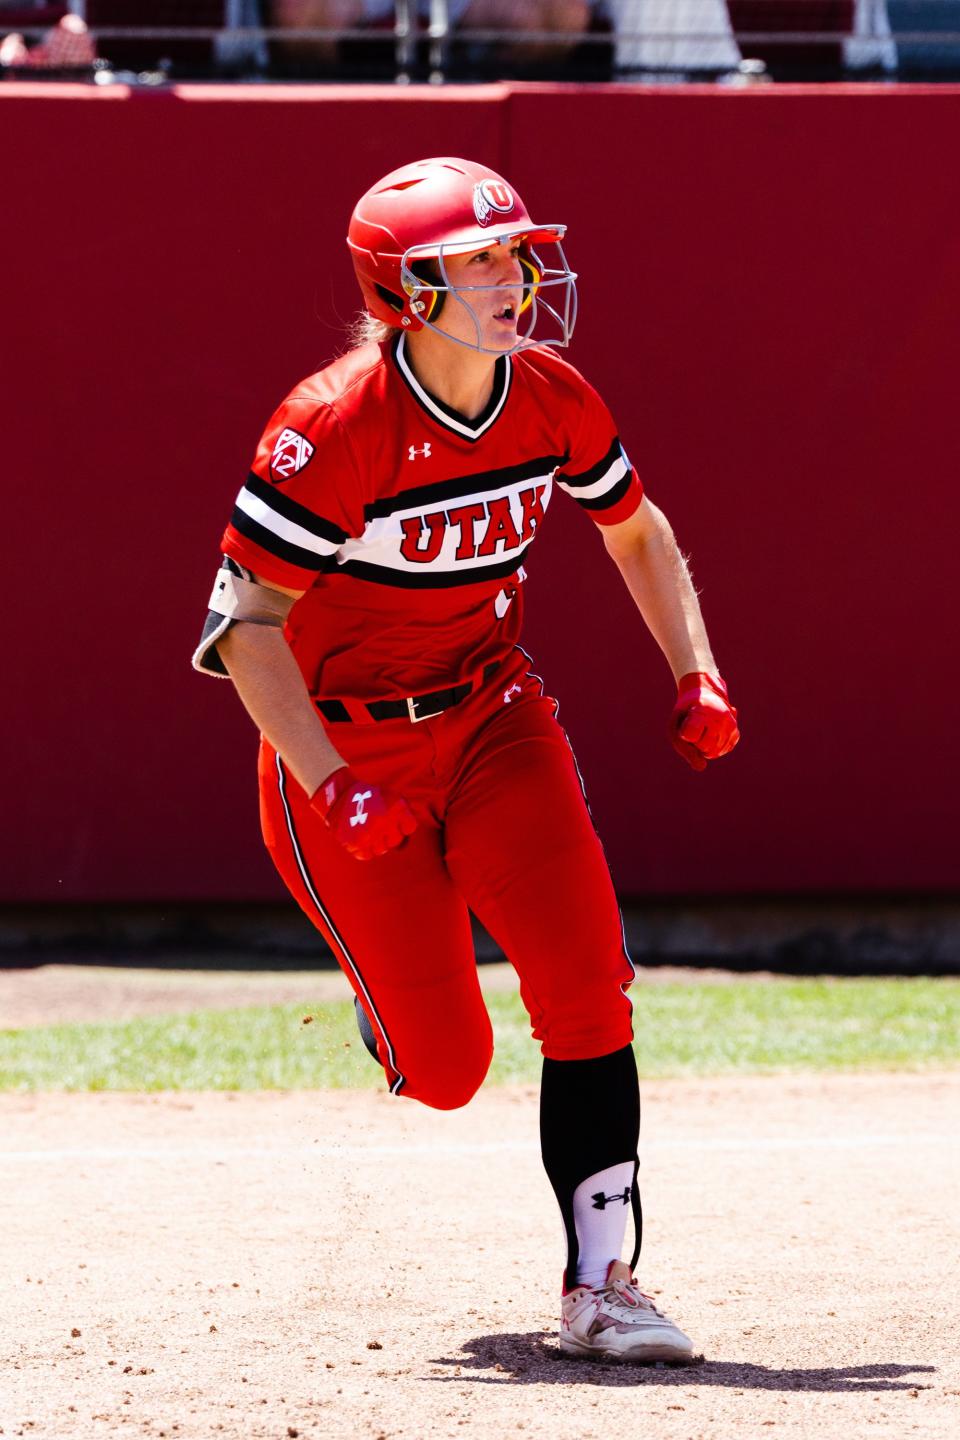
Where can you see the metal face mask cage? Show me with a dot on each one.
(563, 314)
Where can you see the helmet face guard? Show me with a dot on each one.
(425, 299)
(431, 210)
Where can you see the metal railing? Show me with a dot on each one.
(673, 38)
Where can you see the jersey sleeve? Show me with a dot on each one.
(302, 499)
(598, 473)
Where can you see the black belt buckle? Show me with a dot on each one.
(415, 707)
(414, 700)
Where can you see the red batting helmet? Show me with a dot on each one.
(446, 206)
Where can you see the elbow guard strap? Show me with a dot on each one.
(236, 596)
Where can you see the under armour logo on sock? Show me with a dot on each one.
(360, 816)
(601, 1201)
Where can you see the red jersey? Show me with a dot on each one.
(407, 524)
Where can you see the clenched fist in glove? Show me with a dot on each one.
(703, 725)
(366, 820)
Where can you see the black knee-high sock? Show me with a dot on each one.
(590, 1121)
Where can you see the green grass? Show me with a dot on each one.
(695, 1029)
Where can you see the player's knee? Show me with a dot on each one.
(451, 1096)
(444, 1048)
(452, 1086)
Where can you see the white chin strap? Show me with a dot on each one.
(562, 315)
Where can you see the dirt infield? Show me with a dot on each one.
(347, 1264)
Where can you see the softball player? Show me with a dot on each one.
(368, 611)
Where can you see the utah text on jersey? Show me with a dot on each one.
(454, 532)
(364, 474)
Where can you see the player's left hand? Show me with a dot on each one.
(703, 725)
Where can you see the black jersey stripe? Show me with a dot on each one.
(428, 579)
(596, 472)
(480, 483)
(610, 497)
(282, 549)
(279, 501)
(466, 427)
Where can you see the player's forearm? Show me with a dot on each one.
(269, 682)
(656, 574)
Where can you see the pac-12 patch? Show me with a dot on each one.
(290, 454)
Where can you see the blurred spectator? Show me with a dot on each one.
(674, 35)
(313, 15)
(931, 58)
(687, 36)
(21, 14)
(871, 46)
(788, 60)
(66, 46)
(582, 49)
(134, 52)
(567, 20)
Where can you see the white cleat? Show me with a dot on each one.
(617, 1320)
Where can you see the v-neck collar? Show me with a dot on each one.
(445, 415)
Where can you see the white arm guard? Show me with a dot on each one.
(236, 596)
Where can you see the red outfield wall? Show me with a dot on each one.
(770, 301)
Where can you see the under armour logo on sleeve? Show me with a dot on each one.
(424, 450)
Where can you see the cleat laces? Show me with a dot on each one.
(625, 1295)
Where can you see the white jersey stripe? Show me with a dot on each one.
(280, 526)
(440, 413)
(380, 543)
(607, 481)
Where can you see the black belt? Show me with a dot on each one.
(414, 707)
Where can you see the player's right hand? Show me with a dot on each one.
(366, 820)
(703, 725)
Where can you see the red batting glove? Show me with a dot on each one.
(366, 820)
(703, 725)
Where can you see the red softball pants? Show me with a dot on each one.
(503, 831)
